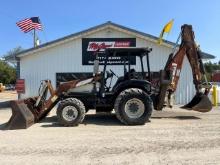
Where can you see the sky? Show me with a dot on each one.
(63, 17)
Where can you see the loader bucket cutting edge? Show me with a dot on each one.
(21, 118)
(200, 103)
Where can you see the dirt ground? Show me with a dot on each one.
(172, 137)
(8, 95)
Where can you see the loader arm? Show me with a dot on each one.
(188, 48)
(28, 111)
(55, 95)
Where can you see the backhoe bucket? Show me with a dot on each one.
(200, 103)
(21, 118)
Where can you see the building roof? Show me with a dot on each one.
(95, 29)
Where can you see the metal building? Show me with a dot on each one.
(70, 56)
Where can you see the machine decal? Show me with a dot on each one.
(53, 99)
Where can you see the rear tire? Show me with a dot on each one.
(133, 107)
(71, 112)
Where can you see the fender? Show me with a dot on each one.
(133, 83)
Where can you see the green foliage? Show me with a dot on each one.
(14, 51)
(7, 73)
(210, 68)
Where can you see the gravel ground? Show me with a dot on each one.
(172, 137)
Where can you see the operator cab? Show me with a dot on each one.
(129, 72)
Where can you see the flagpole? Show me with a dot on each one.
(34, 38)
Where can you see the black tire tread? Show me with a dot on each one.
(63, 103)
(122, 95)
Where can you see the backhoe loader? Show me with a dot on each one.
(132, 96)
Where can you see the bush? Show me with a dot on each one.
(7, 73)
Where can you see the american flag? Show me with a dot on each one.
(29, 24)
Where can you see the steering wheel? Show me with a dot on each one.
(113, 73)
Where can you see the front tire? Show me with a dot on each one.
(71, 112)
(133, 106)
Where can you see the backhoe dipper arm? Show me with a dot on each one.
(188, 47)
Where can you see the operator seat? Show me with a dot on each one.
(131, 74)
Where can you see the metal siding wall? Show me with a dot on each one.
(158, 56)
(68, 58)
(185, 89)
(45, 65)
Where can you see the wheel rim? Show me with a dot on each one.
(134, 108)
(70, 113)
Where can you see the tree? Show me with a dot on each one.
(210, 68)
(8, 71)
(10, 55)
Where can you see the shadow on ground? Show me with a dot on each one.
(4, 104)
(3, 126)
(97, 119)
(106, 119)
(110, 119)
(187, 115)
(178, 117)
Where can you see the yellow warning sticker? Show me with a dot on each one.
(54, 98)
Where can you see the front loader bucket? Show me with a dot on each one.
(21, 118)
(200, 103)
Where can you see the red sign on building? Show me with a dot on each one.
(91, 45)
(20, 85)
